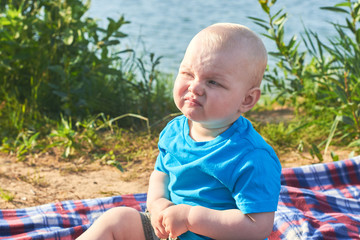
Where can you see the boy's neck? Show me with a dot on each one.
(200, 133)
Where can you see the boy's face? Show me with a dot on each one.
(212, 84)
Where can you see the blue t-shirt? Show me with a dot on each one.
(236, 170)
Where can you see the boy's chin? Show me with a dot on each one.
(214, 123)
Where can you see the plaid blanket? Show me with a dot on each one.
(319, 201)
(62, 220)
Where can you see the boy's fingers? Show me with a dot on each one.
(164, 232)
(170, 233)
(161, 234)
(167, 229)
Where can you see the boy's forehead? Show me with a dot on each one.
(233, 41)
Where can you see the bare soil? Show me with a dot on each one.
(46, 178)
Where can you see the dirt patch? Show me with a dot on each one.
(47, 180)
(32, 184)
(272, 116)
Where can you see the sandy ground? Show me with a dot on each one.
(50, 181)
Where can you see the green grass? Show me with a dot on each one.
(6, 195)
(321, 83)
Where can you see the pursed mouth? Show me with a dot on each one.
(192, 101)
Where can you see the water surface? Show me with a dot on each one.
(165, 27)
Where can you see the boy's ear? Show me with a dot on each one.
(251, 99)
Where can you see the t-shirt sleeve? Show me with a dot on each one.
(257, 187)
(159, 164)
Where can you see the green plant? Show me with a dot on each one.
(6, 195)
(278, 134)
(56, 60)
(24, 144)
(109, 158)
(65, 80)
(323, 81)
(154, 87)
(66, 137)
(287, 76)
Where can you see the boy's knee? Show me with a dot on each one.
(121, 214)
(117, 224)
(123, 222)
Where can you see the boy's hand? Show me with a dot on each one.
(175, 219)
(156, 216)
(156, 221)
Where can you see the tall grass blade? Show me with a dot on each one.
(332, 132)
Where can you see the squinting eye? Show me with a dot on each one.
(186, 74)
(212, 82)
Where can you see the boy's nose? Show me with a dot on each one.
(196, 88)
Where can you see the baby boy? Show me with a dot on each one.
(215, 177)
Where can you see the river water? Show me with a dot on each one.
(165, 27)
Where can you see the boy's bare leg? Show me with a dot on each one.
(116, 224)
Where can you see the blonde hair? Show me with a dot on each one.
(230, 36)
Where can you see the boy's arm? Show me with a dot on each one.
(158, 191)
(225, 224)
(158, 200)
(230, 224)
